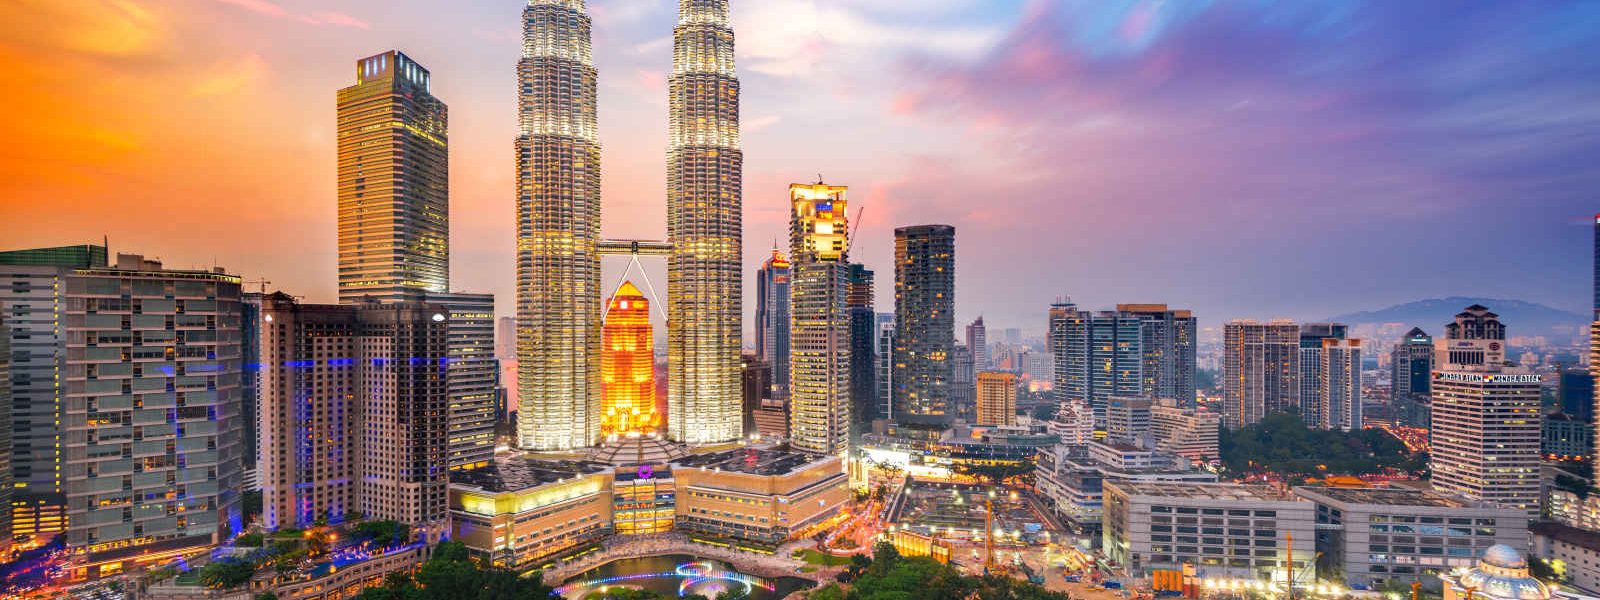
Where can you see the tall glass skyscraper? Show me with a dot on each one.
(772, 321)
(1412, 364)
(863, 342)
(819, 406)
(705, 167)
(394, 183)
(925, 324)
(558, 226)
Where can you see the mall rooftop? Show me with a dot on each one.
(1387, 497)
(509, 474)
(750, 461)
(1204, 491)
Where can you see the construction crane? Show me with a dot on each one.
(261, 282)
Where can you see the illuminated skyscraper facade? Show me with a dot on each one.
(704, 223)
(558, 226)
(1412, 364)
(819, 354)
(772, 321)
(394, 183)
(1097, 355)
(925, 323)
(1261, 371)
(627, 366)
(997, 398)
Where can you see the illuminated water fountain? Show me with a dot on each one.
(681, 575)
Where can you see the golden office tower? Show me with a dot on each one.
(394, 183)
(627, 366)
(704, 224)
(558, 226)
(997, 398)
(819, 331)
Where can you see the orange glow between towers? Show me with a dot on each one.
(627, 366)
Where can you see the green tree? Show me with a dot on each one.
(227, 573)
(382, 533)
(266, 596)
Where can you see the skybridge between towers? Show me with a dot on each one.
(634, 248)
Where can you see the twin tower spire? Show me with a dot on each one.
(558, 230)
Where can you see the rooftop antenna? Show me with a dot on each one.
(819, 178)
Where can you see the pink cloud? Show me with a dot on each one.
(319, 18)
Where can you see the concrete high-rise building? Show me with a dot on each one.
(6, 489)
(1128, 420)
(354, 413)
(394, 183)
(1411, 365)
(558, 228)
(151, 439)
(1486, 434)
(863, 345)
(925, 323)
(250, 381)
(963, 384)
(1594, 371)
(1476, 339)
(505, 339)
(978, 344)
(997, 398)
(819, 354)
(1339, 385)
(705, 166)
(1312, 403)
(1186, 432)
(474, 377)
(627, 366)
(1261, 370)
(1074, 423)
(883, 403)
(1168, 339)
(1097, 355)
(772, 320)
(35, 302)
(756, 386)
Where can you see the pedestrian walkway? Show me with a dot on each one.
(778, 564)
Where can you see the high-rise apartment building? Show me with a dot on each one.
(1476, 339)
(819, 353)
(1411, 364)
(354, 413)
(1339, 384)
(1312, 403)
(883, 403)
(1261, 370)
(963, 382)
(925, 328)
(863, 345)
(150, 420)
(997, 398)
(394, 183)
(1594, 370)
(1168, 341)
(6, 489)
(705, 169)
(978, 345)
(558, 228)
(1098, 355)
(772, 320)
(33, 295)
(474, 377)
(627, 366)
(1486, 434)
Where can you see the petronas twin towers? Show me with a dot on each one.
(558, 230)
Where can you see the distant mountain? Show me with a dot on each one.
(1521, 318)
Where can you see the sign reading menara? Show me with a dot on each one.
(558, 230)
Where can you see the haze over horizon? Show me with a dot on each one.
(1245, 160)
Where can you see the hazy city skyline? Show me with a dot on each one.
(1081, 125)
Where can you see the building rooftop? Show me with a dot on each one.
(1562, 532)
(520, 473)
(1203, 491)
(1388, 497)
(751, 461)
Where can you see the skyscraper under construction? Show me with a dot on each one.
(558, 226)
(704, 224)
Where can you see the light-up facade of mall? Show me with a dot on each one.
(394, 183)
(704, 223)
(558, 227)
(627, 366)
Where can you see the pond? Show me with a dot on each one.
(678, 575)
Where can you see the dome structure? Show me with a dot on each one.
(1501, 574)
